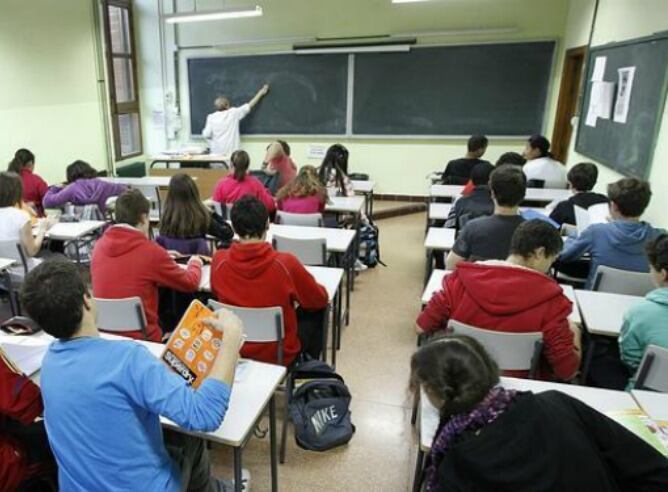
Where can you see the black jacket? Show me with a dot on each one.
(564, 213)
(552, 442)
(478, 204)
(458, 171)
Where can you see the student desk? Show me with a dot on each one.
(74, 232)
(439, 211)
(438, 239)
(653, 404)
(144, 182)
(252, 392)
(544, 195)
(602, 400)
(366, 189)
(353, 206)
(181, 159)
(602, 312)
(5, 263)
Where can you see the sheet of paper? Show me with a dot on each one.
(600, 102)
(599, 68)
(624, 91)
(599, 213)
(28, 358)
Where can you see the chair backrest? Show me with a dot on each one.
(511, 351)
(536, 183)
(120, 315)
(308, 251)
(308, 220)
(618, 281)
(14, 251)
(652, 373)
(261, 325)
(222, 209)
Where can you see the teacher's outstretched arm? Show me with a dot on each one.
(260, 94)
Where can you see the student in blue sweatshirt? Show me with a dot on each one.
(621, 242)
(647, 322)
(103, 398)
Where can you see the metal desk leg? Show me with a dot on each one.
(325, 331)
(337, 324)
(371, 205)
(272, 444)
(428, 266)
(238, 486)
(417, 479)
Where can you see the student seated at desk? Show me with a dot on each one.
(303, 195)
(488, 238)
(333, 171)
(252, 274)
(581, 180)
(15, 223)
(103, 398)
(458, 171)
(507, 158)
(25, 456)
(34, 187)
(621, 242)
(278, 160)
(491, 438)
(478, 203)
(83, 187)
(513, 296)
(647, 322)
(126, 263)
(541, 165)
(239, 184)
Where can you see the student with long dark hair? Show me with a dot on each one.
(333, 171)
(34, 187)
(492, 438)
(541, 164)
(83, 187)
(239, 183)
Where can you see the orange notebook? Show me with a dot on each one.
(193, 346)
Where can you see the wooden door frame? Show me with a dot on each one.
(569, 100)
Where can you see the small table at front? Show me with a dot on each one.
(251, 394)
(74, 232)
(438, 239)
(366, 189)
(602, 400)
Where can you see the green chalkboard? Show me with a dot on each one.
(493, 89)
(628, 147)
(308, 93)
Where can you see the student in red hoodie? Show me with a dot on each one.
(25, 456)
(515, 296)
(252, 274)
(127, 264)
(239, 184)
(34, 187)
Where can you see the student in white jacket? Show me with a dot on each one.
(541, 165)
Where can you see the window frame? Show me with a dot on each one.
(117, 109)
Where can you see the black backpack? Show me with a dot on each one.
(320, 407)
(369, 252)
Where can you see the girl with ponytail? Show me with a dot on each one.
(34, 187)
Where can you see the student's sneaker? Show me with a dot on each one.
(228, 485)
(359, 266)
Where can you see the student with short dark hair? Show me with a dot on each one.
(510, 158)
(458, 171)
(278, 160)
(541, 165)
(240, 183)
(34, 187)
(620, 243)
(514, 296)
(476, 204)
(489, 237)
(493, 438)
(581, 180)
(252, 274)
(103, 398)
(126, 263)
(645, 323)
(83, 187)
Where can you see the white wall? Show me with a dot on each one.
(48, 86)
(618, 20)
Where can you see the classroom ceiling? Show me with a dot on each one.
(293, 19)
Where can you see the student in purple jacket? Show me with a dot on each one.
(83, 187)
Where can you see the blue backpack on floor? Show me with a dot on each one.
(369, 246)
(320, 407)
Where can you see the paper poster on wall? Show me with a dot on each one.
(600, 102)
(599, 68)
(624, 90)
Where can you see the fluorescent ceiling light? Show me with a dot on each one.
(354, 49)
(210, 15)
(408, 1)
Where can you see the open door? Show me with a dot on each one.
(569, 93)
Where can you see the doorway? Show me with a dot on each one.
(569, 94)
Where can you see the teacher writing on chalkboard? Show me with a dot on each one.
(222, 127)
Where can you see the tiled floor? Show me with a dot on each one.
(374, 360)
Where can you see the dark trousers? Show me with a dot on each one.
(310, 326)
(35, 444)
(191, 456)
(607, 369)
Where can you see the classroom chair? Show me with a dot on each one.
(264, 325)
(307, 220)
(511, 351)
(536, 183)
(120, 316)
(309, 251)
(617, 281)
(222, 209)
(14, 276)
(652, 374)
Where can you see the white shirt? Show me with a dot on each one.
(222, 130)
(548, 170)
(12, 220)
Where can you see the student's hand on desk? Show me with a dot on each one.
(173, 254)
(196, 259)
